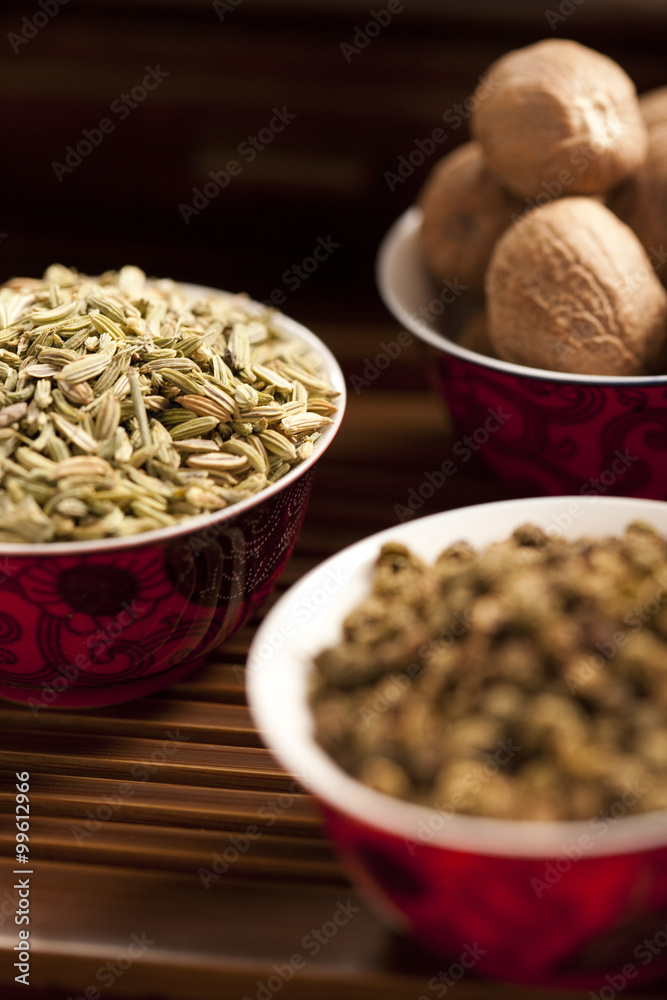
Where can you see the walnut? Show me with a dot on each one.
(653, 106)
(641, 202)
(570, 288)
(465, 211)
(475, 335)
(558, 118)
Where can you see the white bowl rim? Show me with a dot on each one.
(401, 232)
(276, 687)
(189, 525)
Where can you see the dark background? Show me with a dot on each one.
(323, 176)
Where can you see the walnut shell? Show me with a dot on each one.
(465, 211)
(653, 106)
(570, 288)
(475, 335)
(558, 118)
(642, 201)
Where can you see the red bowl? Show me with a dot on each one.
(569, 904)
(540, 432)
(86, 624)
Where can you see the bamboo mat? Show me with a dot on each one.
(136, 807)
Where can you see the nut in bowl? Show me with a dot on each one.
(532, 267)
(157, 450)
(555, 902)
(561, 432)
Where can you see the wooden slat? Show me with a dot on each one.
(215, 681)
(77, 797)
(196, 764)
(151, 845)
(197, 721)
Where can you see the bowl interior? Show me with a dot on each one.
(308, 618)
(409, 292)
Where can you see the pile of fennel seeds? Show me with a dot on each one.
(126, 406)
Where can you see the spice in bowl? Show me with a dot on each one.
(526, 681)
(128, 405)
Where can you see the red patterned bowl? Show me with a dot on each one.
(85, 624)
(571, 904)
(541, 432)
